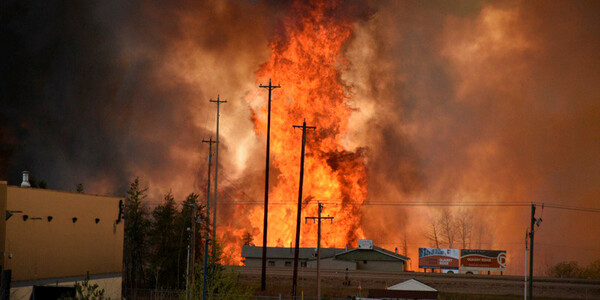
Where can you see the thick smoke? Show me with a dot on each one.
(470, 101)
(487, 102)
(98, 93)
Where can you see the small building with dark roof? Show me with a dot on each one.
(374, 259)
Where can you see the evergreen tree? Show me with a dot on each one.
(163, 239)
(136, 231)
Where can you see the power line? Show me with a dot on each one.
(244, 202)
(575, 208)
(538, 244)
(516, 204)
(387, 203)
(415, 204)
(431, 204)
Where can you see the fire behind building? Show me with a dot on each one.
(365, 257)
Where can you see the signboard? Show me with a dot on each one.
(482, 260)
(435, 258)
(365, 244)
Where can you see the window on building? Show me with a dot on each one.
(288, 263)
(271, 263)
(303, 264)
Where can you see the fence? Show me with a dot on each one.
(160, 294)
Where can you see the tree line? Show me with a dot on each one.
(156, 246)
(571, 269)
(156, 241)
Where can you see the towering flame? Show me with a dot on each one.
(306, 60)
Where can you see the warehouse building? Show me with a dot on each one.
(55, 238)
(283, 256)
(365, 257)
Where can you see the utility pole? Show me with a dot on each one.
(187, 270)
(193, 247)
(319, 218)
(525, 274)
(299, 216)
(205, 280)
(263, 276)
(218, 101)
(531, 234)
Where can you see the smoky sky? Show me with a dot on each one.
(452, 101)
(483, 101)
(59, 82)
(90, 92)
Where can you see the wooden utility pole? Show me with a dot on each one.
(193, 248)
(531, 234)
(299, 216)
(263, 276)
(218, 101)
(526, 260)
(319, 218)
(187, 268)
(207, 232)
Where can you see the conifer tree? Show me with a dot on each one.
(163, 239)
(136, 231)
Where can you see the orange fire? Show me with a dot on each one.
(306, 60)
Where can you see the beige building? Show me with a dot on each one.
(54, 238)
(365, 257)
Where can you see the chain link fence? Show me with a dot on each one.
(160, 294)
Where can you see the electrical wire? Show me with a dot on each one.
(247, 201)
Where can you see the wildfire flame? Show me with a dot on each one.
(307, 61)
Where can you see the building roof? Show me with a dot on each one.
(388, 252)
(376, 253)
(17, 188)
(411, 285)
(286, 252)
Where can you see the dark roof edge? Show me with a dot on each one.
(393, 255)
